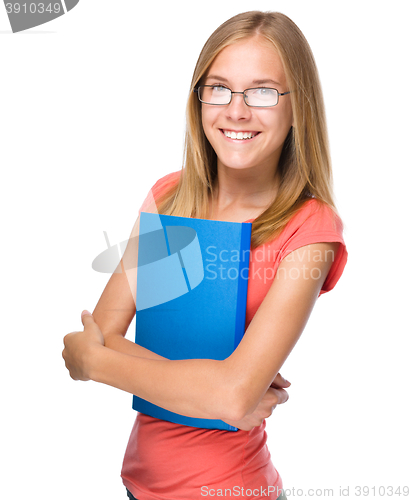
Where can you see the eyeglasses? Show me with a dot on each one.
(261, 97)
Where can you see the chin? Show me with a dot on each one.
(237, 165)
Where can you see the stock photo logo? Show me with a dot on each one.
(24, 15)
(170, 262)
(201, 263)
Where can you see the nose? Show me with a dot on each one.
(238, 109)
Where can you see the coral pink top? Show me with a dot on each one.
(167, 461)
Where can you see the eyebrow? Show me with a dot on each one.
(254, 82)
(260, 82)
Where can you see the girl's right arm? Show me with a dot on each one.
(117, 305)
(113, 314)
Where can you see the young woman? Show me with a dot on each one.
(256, 151)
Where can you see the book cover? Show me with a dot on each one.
(191, 294)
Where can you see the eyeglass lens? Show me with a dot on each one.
(259, 97)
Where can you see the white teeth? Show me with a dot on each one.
(238, 135)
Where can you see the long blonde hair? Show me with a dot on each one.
(304, 165)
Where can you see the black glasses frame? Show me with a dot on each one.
(196, 90)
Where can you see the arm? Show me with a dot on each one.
(276, 394)
(115, 311)
(242, 379)
(117, 305)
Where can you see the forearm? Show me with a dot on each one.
(120, 344)
(195, 388)
(204, 388)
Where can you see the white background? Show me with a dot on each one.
(81, 144)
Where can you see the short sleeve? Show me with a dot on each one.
(317, 223)
(159, 188)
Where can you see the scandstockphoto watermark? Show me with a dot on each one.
(268, 254)
(217, 264)
(266, 274)
(379, 491)
(222, 264)
(240, 491)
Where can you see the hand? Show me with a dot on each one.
(275, 395)
(80, 347)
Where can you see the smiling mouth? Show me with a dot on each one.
(239, 136)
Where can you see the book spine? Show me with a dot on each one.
(243, 270)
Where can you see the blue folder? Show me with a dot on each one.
(191, 294)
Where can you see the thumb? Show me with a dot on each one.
(280, 381)
(86, 316)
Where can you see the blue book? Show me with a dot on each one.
(191, 294)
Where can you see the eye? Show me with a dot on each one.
(264, 92)
(219, 88)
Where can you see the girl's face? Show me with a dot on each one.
(247, 64)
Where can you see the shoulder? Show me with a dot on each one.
(159, 188)
(169, 180)
(316, 222)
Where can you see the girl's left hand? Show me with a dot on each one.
(275, 395)
(79, 348)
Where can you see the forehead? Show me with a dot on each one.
(251, 59)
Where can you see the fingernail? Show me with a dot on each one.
(85, 312)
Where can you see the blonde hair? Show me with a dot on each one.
(304, 165)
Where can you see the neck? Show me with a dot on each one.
(249, 191)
